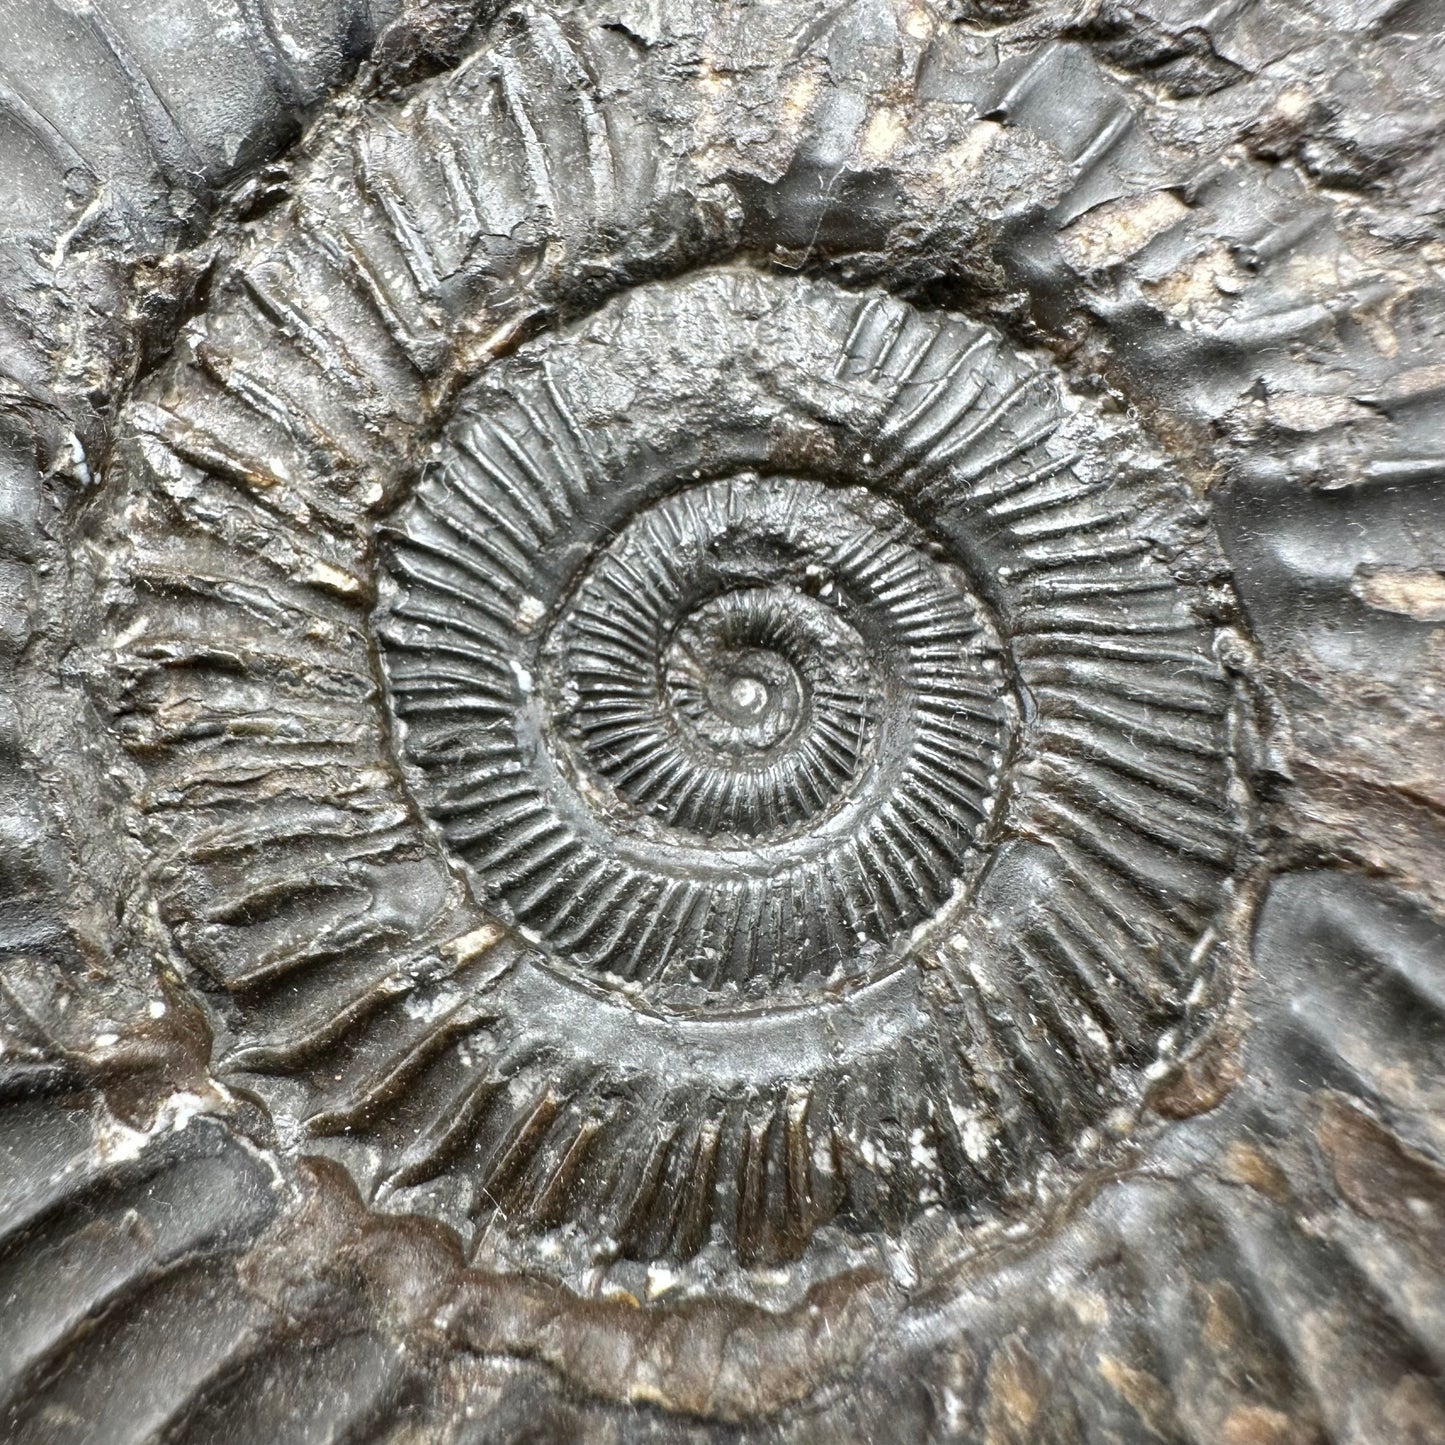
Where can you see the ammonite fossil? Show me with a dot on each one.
(729, 726)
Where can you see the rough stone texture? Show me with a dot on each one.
(1014, 1015)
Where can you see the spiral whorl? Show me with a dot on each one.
(749, 736)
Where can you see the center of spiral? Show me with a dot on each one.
(707, 685)
(739, 676)
(749, 697)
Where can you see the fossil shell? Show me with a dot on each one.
(604, 542)
(695, 657)
(992, 815)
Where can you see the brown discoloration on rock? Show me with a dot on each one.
(1380, 1177)
(1245, 1164)
(1307, 413)
(1348, 807)
(1261, 1425)
(702, 1357)
(1117, 230)
(1224, 1323)
(146, 1051)
(1016, 1387)
(1146, 1393)
(409, 1276)
(1202, 288)
(1417, 592)
(1411, 1414)
(1202, 1082)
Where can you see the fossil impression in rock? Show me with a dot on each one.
(705, 748)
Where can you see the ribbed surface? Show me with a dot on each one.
(1274, 1277)
(847, 816)
(541, 572)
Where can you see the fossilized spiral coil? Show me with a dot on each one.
(843, 691)
(894, 938)
(588, 599)
(654, 750)
(743, 731)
